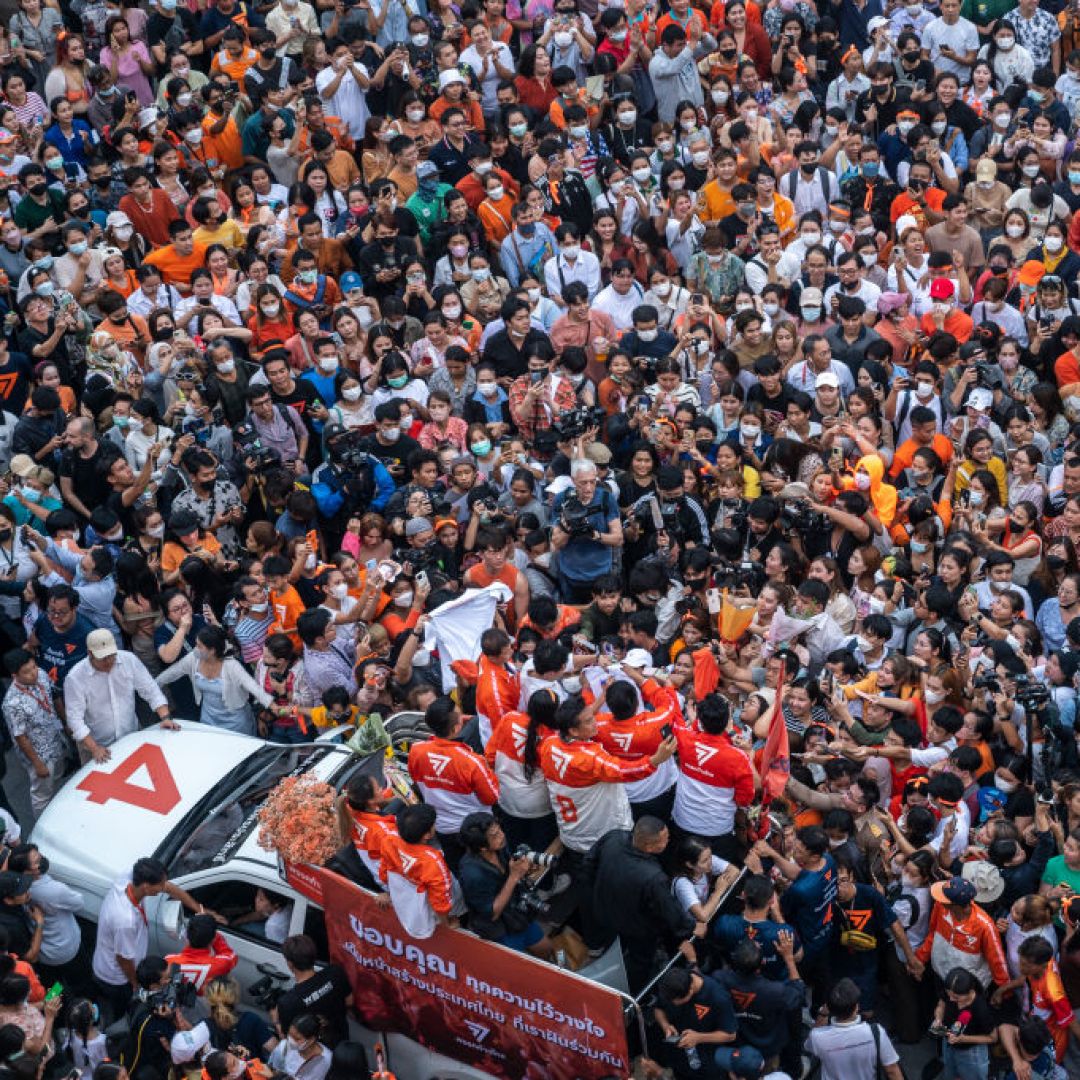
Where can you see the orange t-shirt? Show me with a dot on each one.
(173, 554)
(956, 323)
(474, 116)
(714, 203)
(176, 269)
(227, 147)
(1067, 369)
(905, 204)
(288, 607)
(235, 69)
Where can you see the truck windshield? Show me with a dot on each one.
(219, 823)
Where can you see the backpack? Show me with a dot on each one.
(794, 176)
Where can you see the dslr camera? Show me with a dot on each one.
(574, 517)
(250, 446)
(177, 993)
(796, 516)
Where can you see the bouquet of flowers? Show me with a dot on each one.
(299, 822)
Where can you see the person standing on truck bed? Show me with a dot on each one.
(326, 993)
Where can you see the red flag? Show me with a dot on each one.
(776, 757)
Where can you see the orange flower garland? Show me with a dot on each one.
(299, 822)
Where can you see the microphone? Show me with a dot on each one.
(961, 1022)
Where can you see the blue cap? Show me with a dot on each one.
(350, 280)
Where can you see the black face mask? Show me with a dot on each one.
(1056, 562)
(5, 535)
(808, 168)
(387, 242)
(36, 190)
(727, 54)
(999, 271)
(913, 56)
(43, 865)
(102, 181)
(163, 333)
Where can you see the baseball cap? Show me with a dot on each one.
(101, 644)
(986, 878)
(980, 398)
(426, 169)
(187, 1045)
(827, 378)
(13, 884)
(876, 22)
(986, 169)
(22, 465)
(598, 454)
(941, 289)
(638, 658)
(810, 297)
(905, 222)
(954, 891)
(116, 219)
(448, 77)
(1031, 272)
(351, 280)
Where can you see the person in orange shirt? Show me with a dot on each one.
(452, 91)
(498, 688)
(1039, 971)
(473, 184)
(222, 142)
(496, 211)
(920, 200)
(285, 601)
(149, 209)
(549, 619)
(943, 313)
(491, 545)
(235, 56)
(177, 260)
(363, 804)
(690, 19)
(422, 890)
(1067, 371)
(714, 199)
(123, 327)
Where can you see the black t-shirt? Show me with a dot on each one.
(393, 456)
(324, 995)
(981, 1020)
(87, 480)
(14, 382)
(301, 397)
(777, 406)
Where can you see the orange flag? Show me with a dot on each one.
(776, 757)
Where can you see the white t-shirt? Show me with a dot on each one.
(348, 100)
(689, 892)
(847, 1051)
(961, 37)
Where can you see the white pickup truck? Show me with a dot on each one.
(191, 799)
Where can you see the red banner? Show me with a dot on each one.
(476, 1002)
(306, 880)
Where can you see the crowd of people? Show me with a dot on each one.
(733, 349)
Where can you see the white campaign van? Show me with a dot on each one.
(191, 799)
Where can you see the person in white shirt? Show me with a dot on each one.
(848, 1047)
(123, 931)
(152, 292)
(343, 87)
(99, 696)
(571, 264)
(950, 42)
(622, 296)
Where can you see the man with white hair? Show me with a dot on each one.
(587, 530)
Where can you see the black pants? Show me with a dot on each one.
(114, 1000)
(534, 833)
(452, 848)
(658, 807)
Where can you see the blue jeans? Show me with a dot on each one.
(965, 1062)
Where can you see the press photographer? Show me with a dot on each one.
(817, 528)
(500, 888)
(587, 530)
(154, 1017)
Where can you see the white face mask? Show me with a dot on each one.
(1053, 244)
(647, 335)
(868, 259)
(156, 531)
(749, 431)
(488, 389)
(771, 309)
(1030, 171)
(934, 697)
(642, 176)
(811, 238)
(404, 599)
(1001, 120)
(700, 158)
(662, 288)
(628, 117)
(340, 591)
(227, 367)
(720, 96)
(809, 314)
(452, 311)
(534, 295)
(1006, 787)
(328, 365)
(924, 390)
(1015, 230)
(351, 393)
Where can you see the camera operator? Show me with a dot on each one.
(586, 532)
(278, 428)
(683, 514)
(154, 1017)
(849, 529)
(349, 481)
(763, 530)
(497, 890)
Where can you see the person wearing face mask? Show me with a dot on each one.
(41, 212)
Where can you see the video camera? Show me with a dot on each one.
(1031, 695)
(796, 516)
(732, 514)
(527, 900)
(345, 452)
(486, 498)
(579, 420)
(250, 446)
(574, 517)
(177, 993)
(737, 575)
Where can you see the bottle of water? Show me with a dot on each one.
(693, 1059)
